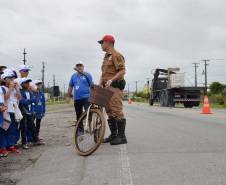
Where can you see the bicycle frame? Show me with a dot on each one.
(86, 127)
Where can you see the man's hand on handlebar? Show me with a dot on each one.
(108, 84)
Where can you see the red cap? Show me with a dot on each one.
(107, 38)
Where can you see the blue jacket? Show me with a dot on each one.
(27, 105)
(2, 93)
(1, 119)
(40, 104)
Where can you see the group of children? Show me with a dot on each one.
(22, 107)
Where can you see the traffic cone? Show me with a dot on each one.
(206, 106)
(129, 101)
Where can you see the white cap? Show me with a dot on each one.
(79, 63)
(37, 82)
(11, 71)
(7, 74)
(24, 80)
(24, 68)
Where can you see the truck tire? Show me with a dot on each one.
(166, 99)
(161, 99)
(171, 102)
(196, 104)
(188, 104)
(151, 100)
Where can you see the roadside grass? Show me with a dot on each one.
(55, 105)
(51, 102)
(215, 106)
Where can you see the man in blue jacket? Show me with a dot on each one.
(80, 82)
(40, 105)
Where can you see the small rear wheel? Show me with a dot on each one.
(89, 132)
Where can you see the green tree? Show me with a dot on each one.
(217, 87)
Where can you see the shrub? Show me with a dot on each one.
(216, 88)
(217, 98)
(142, 94)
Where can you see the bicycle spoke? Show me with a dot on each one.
(88, 132)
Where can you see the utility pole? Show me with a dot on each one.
(128, 90)
(54, 80)
(43, 76)
(54, 83)
(64, 90)
(136, 86)
(205, 71)
(24, 60)
(148, 84)
(48, 87)
(196, 65)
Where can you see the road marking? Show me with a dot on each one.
(125, 172)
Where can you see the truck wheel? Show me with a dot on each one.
(171, 102)
(167, 99)
(161, 99)
(196, 104)
(151, 102)
(151, 99)
(188, 104)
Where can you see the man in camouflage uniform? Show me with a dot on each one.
(113, 71)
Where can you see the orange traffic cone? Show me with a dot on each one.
(129, 101)
(206, 106)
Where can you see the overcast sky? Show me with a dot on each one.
(149, 33)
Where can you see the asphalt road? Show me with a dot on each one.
(166, 147)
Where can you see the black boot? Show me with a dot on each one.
(121, 137)
(112, 122)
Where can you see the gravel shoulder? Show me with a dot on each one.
(56, 130)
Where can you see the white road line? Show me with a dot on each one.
(125, 172)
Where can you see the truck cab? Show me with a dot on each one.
(168, 88)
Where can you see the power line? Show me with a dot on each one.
(220, 59)
(188, 81)
(216, 75)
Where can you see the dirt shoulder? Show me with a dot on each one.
(56, 130)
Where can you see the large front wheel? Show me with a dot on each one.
(89, 132)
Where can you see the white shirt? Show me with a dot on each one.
(28, 95)
(28, 98)
(12, 101)
(1, 95)
(18, 81)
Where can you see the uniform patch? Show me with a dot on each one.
(120, 61)
(120, 64)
